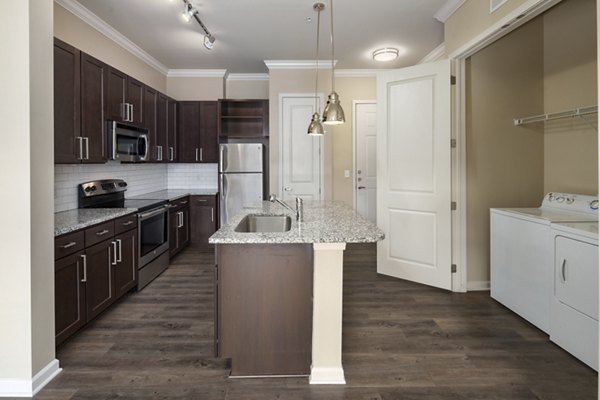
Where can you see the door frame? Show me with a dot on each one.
(321, 98)
(355, 103)
(513, 20)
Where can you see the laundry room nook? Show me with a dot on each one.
(532, 174)
(546, 66)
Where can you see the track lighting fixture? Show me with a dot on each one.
(191, 12)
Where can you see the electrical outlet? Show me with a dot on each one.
(346, 173)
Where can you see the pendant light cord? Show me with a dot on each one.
(317, 105)
(332, 49)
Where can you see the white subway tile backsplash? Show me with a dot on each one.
(141, 178)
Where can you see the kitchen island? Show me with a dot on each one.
(279, 294)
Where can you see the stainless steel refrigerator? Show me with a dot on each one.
(240, 177)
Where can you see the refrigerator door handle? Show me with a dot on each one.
(223, 158)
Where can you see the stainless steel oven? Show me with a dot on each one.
(153, 232)
(127, 143)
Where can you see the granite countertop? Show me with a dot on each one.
(174, 194)
(324, 222)
(74, 220)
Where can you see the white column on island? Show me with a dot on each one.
(328, 267)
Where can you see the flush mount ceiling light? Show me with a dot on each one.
(191, 12)
(333, 113)
(315, 127)
(385, 54)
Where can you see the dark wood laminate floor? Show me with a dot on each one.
(401, 341)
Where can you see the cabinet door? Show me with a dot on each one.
(202, 224)
(209, 136)
(69, 296)
(67, 107)
(135, 98)
(188, 130)
(172, 131)
(99, 278)
(116, 88)
(173, 233)
(126, 271)
(162, 127)
(93, 126)
(184, 229)
(149, 115)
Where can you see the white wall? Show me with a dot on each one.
(26, 112)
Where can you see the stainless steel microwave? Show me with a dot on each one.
(127, 142)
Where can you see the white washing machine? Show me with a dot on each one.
(574, 306)
(522, 251)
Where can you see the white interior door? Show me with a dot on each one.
(365, 167)
(414, 173)
(301, 165)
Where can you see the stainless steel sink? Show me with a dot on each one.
(264, 223)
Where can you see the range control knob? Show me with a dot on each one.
(90, 189)
(594, 204)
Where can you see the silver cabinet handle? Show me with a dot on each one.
(173, 206)
(87, 147)
(114, 258)
(563, 269)
(84, 258)
(124, 111)
(120, 245)
(212, 214)
(201, 200)
(171, 153)
(131, 112)
(80, 140)
(200, 153)
(161, 153)
(183, 202)
(180, 219)
(196, 154)
(127, 223)
(68, 245)
(102, 233)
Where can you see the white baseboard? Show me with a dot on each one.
(327, 376)
(29, 387)
(473, 286)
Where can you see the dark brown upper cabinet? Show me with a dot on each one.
(197, 132)
(67, 107)
(79, 131)
(243, 118)
(124, 98)
(160, 138)
(172, 130)
(150, 97)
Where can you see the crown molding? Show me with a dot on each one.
(248, 77)
(439, 53)
(358, 73)
(447, 9)
(298, 64)
(196, 73)
(95, 22)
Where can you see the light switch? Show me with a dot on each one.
(346, 173)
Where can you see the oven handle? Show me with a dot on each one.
(152, 213)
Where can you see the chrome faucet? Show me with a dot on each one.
(299, 211)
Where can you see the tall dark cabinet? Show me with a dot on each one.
(150, 100)
(162, 127)
(67, 111)
(93, 128)
(172, 142)
(197, 132)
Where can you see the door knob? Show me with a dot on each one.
(359, 172)
(361, 187)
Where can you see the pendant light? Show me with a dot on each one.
(315, 127)
(333, 113)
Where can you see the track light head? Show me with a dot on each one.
(209, 41)
(188, 13)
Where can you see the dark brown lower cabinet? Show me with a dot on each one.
(69, 296)
(126, 268)
(98, 276)
(179, 225)
(203, 220)
(264, 308)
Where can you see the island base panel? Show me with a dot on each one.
(265, 308)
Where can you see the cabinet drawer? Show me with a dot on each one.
(203, 200)
(98, 233)
(68, 244)
(125, 223)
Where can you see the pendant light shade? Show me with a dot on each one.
(333, 113)
(315, 128)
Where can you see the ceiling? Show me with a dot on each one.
(250, 31)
